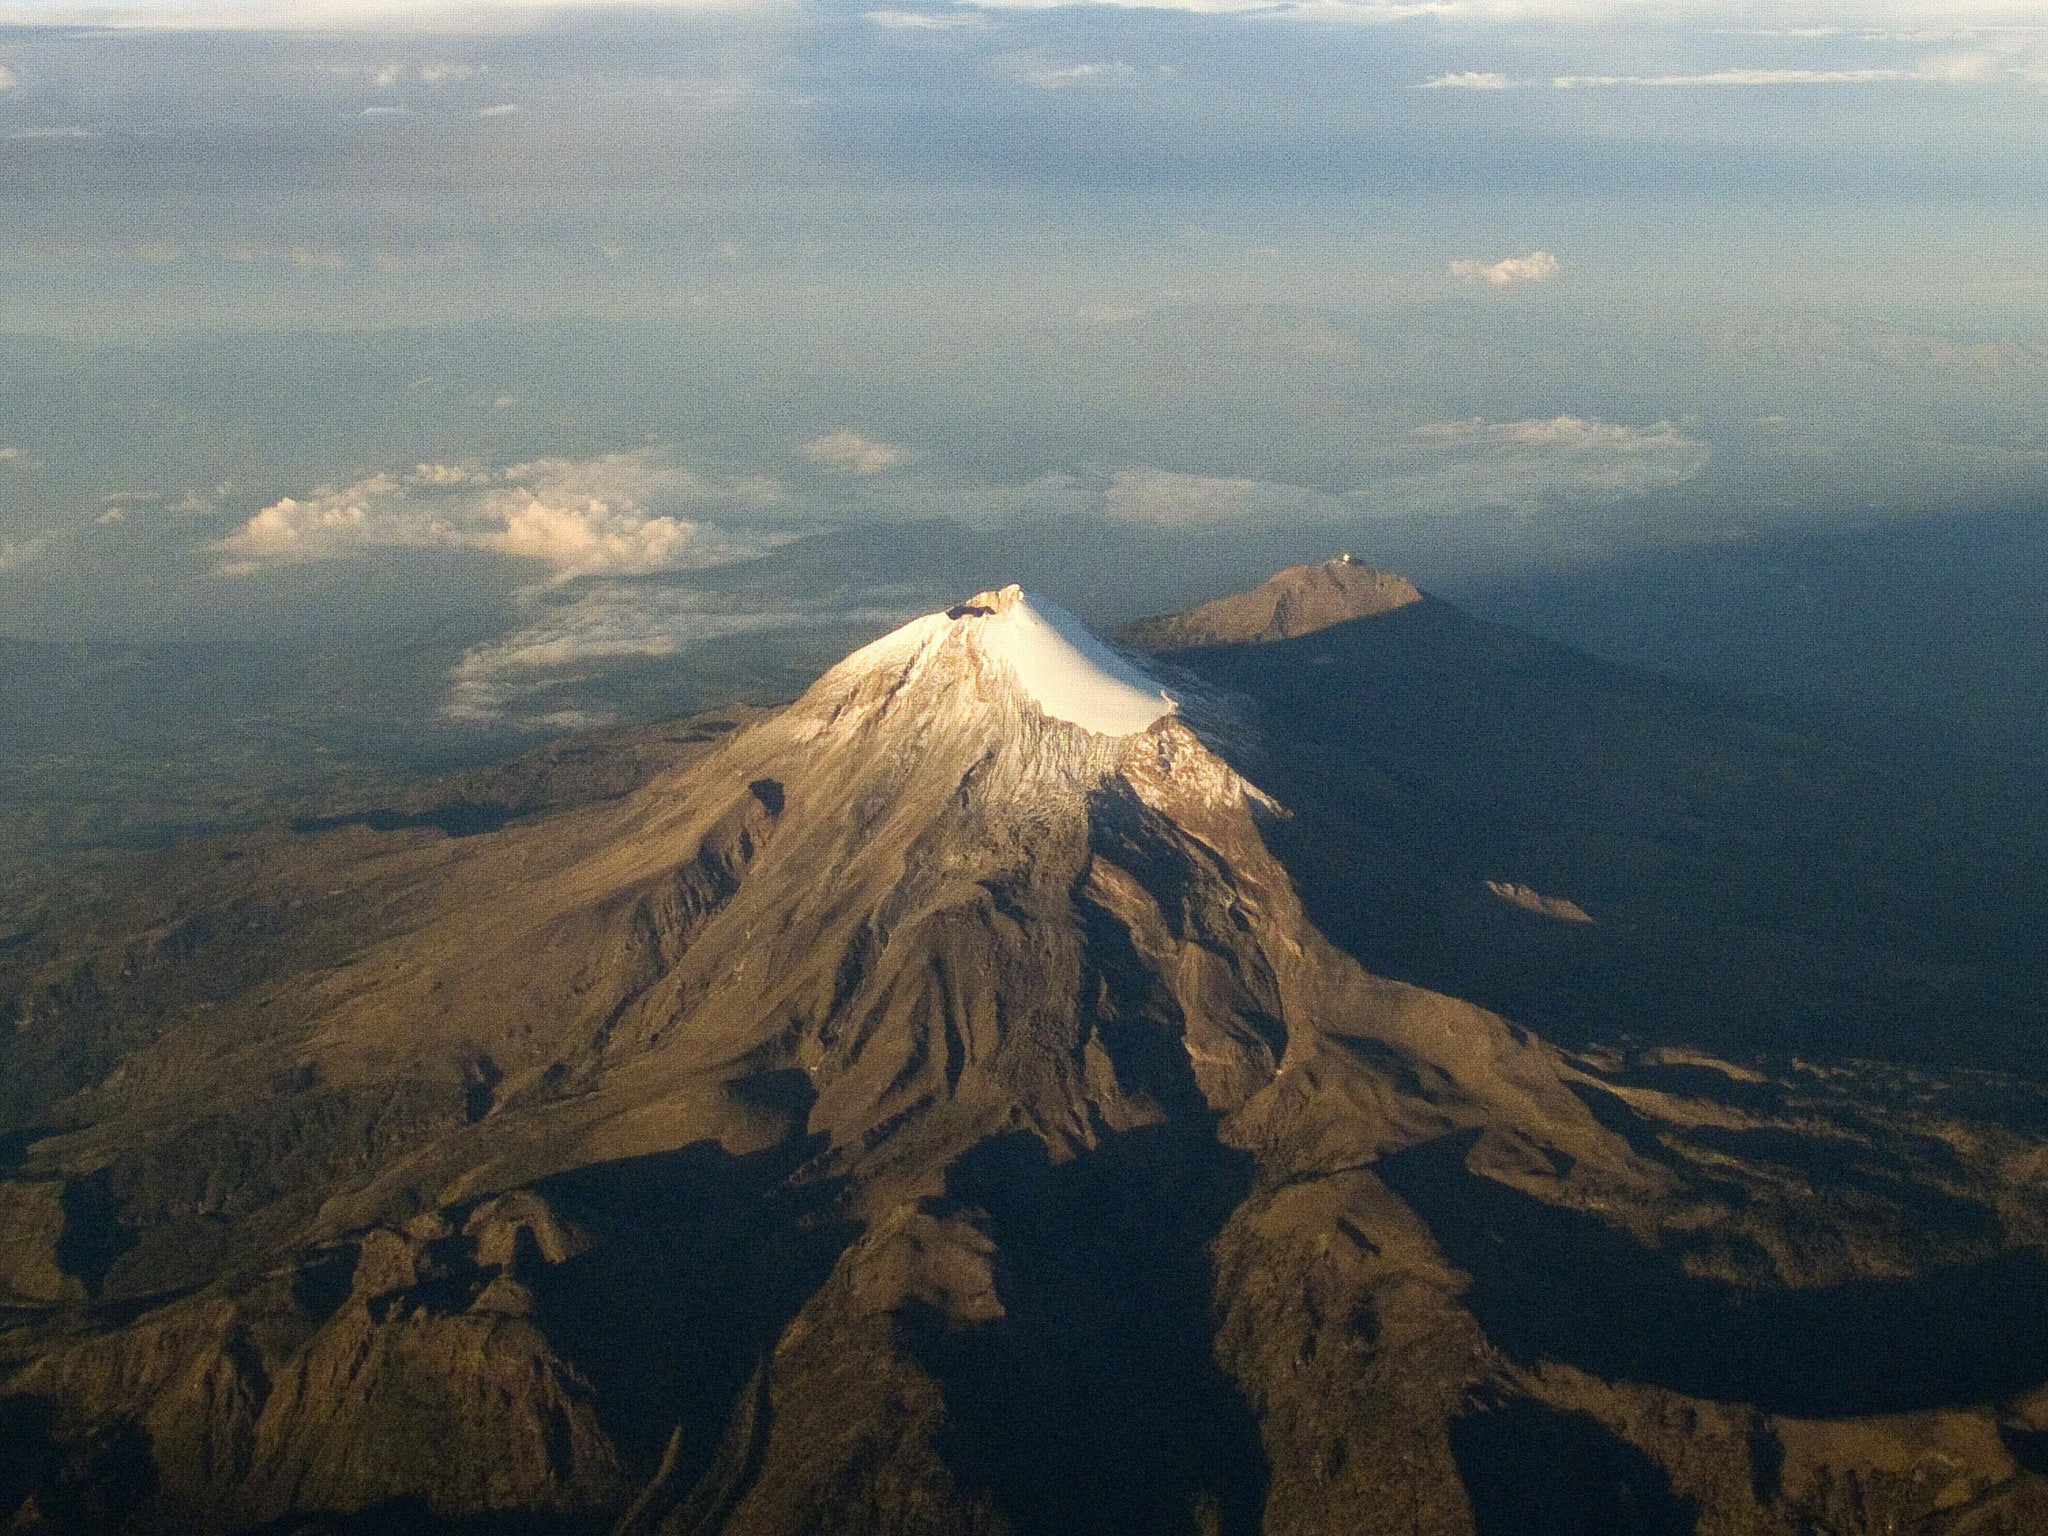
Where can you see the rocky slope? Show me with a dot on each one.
(930, 1108)
(1297, 601)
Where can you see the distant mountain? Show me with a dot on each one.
(1297, 601)
(933, 1107)
(1761, 878)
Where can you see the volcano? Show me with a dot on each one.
(930, 1107)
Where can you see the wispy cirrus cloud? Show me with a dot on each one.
(924, 21)
(1164, 499)
(618, 513)
(851, 453)
(1047, 73)
(1536, 267)
(1740, 77)
(529, 675)
(1523, 465)
(1793, 18)
(1984, 56)
(1440, 468)
(1472, 80)
(16, 553)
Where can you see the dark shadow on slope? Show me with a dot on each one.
(1533, 1471)
(457, 818)
(698, 1261)
(94, 1235)
(409, 1517)
(1096, 1404)
(1759, 880)
(94, 1486)
(1551, 1283)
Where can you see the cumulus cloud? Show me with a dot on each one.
(617, 513)
(1536, 267)
(851, 453)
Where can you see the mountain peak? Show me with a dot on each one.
(1006, 644)
(1297, 601)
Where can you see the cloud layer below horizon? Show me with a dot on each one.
(327, 328)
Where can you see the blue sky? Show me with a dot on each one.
(327, 313)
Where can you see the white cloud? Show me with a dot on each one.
(19, 552)
(501, 109)
(1522, 465)
(8, 78)
(922, 21)
(427, 18)
(1536, 267)
(614, 514)
(442, 18)
(1470, 80)
(1033, 68)
(521, 676)
(1166, 499)
(305, 256)
(9, 455)
(852, 453)
(1745, 77)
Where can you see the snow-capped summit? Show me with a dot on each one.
(1069, 674)
(1007, 645)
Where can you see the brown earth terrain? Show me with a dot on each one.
(909, 1112)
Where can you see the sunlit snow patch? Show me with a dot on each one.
(1069, 674)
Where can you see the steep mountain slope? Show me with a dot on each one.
(930, 1108)
(1757, 879)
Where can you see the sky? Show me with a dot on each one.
(333, 317)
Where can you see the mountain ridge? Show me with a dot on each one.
(914, 1110)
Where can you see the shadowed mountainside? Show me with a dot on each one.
(912, 1111)
(1755, 881)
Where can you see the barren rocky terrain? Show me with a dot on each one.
(909, 1111)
